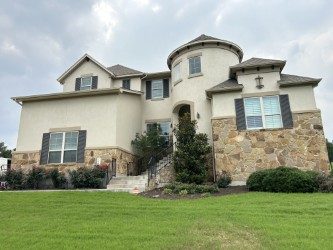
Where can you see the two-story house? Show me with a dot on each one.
(255, 116)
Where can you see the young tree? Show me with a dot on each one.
(190, 160)
(4, 152)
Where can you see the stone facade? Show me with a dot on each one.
(242, 152)
(124, 160)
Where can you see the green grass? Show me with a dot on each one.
(100, 220)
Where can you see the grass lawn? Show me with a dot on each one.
(100, 220)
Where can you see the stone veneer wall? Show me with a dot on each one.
(25, 160)
(243, 152)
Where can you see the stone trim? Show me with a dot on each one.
(223, 117)
(64, 129)
(109, 147)
(194, 55)
(158, 120)
(306, 111)
(25, 152)
(258, 94)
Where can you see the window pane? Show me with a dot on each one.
(71, 140)
(55, 157)
(165, 128)
(254, 121)
(271, 105)
(252, 107)
(56, 141)
(273, 121)
(127, 84)
(195, 65)
(157, 89)
(70, 156)
(85, 83)
(176, 72)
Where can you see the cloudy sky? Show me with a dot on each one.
(39, 40)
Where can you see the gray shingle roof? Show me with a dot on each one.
(203, 37)
(257, 62)
(226, 86)
(120, 70)
(292, 80)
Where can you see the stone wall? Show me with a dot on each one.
(243, 152)
(124, 159)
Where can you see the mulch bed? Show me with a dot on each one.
(158, 193)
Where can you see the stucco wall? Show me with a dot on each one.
(86, 68)
(135, 83)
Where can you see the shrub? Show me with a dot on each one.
(14, 179)
(325, 182)
(167, 191)
(177, 187)
(224, 180)
(183, 192)
(34, 177)
(86, 177)
(283, 179)
(58, 179)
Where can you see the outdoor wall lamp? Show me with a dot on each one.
(259, 82)
(198, 115)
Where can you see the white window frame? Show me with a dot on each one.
(90, 86)
(178, 74)
(189, 66)
(263, 115)
(152, 89)
(62, 151)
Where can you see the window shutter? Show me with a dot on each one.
(240, 114)
(148, 90)
(287, 117)
(165, 88)
(94, 82)
(81, 146)
(44, 154)
(77, 84)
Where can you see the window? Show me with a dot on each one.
(157, 89)
(164, 129)
(263, 112)
(194, 65)
(86, 83)
(127, 84)
(176, 72)
(63, 147)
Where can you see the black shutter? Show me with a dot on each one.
(44, 154)
(240, 114)
(148, 90)
(81, 146)
(287, 117)
(94, 82)
(165, 88)
(77, 84)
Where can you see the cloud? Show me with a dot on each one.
(156, 8)
(9, 48)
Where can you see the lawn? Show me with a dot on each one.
(100, 220)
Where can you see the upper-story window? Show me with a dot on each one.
(176, 73)
(194, 65)
(86, 83)
(157, 89)
(127, 84)
(63, 147)
(263, 112)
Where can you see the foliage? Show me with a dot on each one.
(86, 177)
(14, 179)
(191, 188)
(4, 151)
(183, 192)
(224, 180)
(191, 150)
(58, 178)
(34, 177)
(167, 191)
(325, 182)
(284, 179)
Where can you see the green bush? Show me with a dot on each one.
(87, 177)
(285, 180)
(325, 183)
(58, 179)
(224, 180)
(14, 179)
(34, 178)
(167, 191)
(177, 187)
(183, 192)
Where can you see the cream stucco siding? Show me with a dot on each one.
(135, 83)
(301, 98)
(87, 68)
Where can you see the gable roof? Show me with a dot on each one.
(120, 70)
(226, 86)
(295, 80)
(257, 62)
(85, 57)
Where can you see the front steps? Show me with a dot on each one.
(129, 184)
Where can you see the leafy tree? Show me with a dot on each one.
(190, 161)
(4, 152)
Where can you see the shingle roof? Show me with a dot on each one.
(120, 70)
(257, 62)
(203, 37)
(292, 80)
(226, 86)
(160, 74)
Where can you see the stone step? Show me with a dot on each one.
(142, 186)
(127, 190)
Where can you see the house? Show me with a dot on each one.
(255, 115)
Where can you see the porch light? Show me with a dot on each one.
(259, 82)
(198, 115)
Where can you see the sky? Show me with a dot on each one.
(39, 40)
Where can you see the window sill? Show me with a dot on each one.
(176, 82)
(61, 164)
(195, 75)
(157, 99)
(265, 129)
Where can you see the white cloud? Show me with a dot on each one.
(156, 8)
(8, 47)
